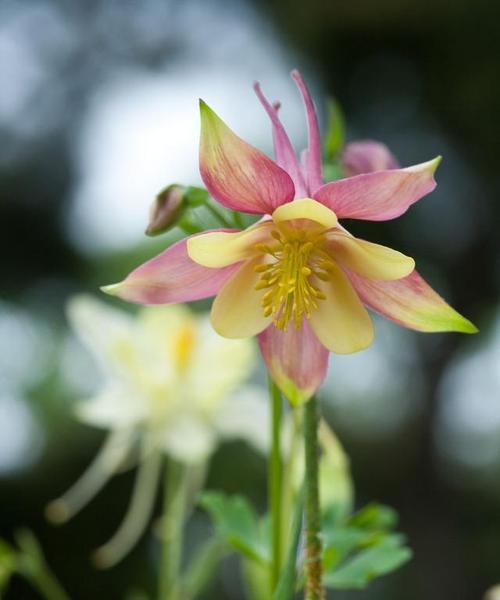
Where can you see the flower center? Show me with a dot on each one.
(184, 343)
(292, 265)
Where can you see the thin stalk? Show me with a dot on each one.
(288, 493)
(313, 551)
(172, 528)
(48, 586)
(275, 483)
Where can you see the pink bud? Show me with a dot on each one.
(165, 209)
(366, 156)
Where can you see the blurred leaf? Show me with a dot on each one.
(388, 555)
(196, 196)
(237, 524)
(375, 516)
(332, 172)
(334, 139)
(8, 562)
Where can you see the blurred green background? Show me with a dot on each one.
(98, 111)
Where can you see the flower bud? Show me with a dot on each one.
(366, 156)
(166, 209)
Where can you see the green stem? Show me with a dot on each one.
(48, 586)
(288, 494)
(219, 216)
(173, 518)
(275, 480)
(313, 551)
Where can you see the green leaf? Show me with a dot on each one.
(334, 139)
(375, 516)
(362, 547)
(8, 562)
(236, 523)
(388, 555)
(288, 580)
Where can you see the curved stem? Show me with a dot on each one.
(275, 481)
(313, 551)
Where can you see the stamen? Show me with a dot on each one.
(299, 260)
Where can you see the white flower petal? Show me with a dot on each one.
(245, 415)
(189, 440)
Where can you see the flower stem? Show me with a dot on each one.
(275, 481)
(313, 551)
(173, 518)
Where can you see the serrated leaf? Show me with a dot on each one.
(236, 522)
(381, 559)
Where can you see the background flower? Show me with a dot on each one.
(172, 385)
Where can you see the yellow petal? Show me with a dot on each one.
(306, 208)
(367, 259)
(341, 322)
(237, 310)
(221, 248)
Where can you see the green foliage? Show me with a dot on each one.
(28, 562)
(357, 548)
(334, 139)
(236, 523)
(362, 547)
(7, 564)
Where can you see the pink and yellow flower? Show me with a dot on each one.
(297, 279)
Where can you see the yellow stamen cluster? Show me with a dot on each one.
(292, 264)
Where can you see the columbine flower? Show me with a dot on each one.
(170, 385)
(297, 279)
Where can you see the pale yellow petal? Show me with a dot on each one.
(367, 259)
(305, 208)
(222, 248)
(237, 310)
(341, 322)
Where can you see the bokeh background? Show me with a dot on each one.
(98, 111)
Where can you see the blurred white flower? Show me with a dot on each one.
(170, 383)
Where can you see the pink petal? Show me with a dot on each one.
(410, 302)
(236, 174)
(283, 149)
(296, 360)
(381, 195)
(313, 155)
(170, 278)
(366, 156)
